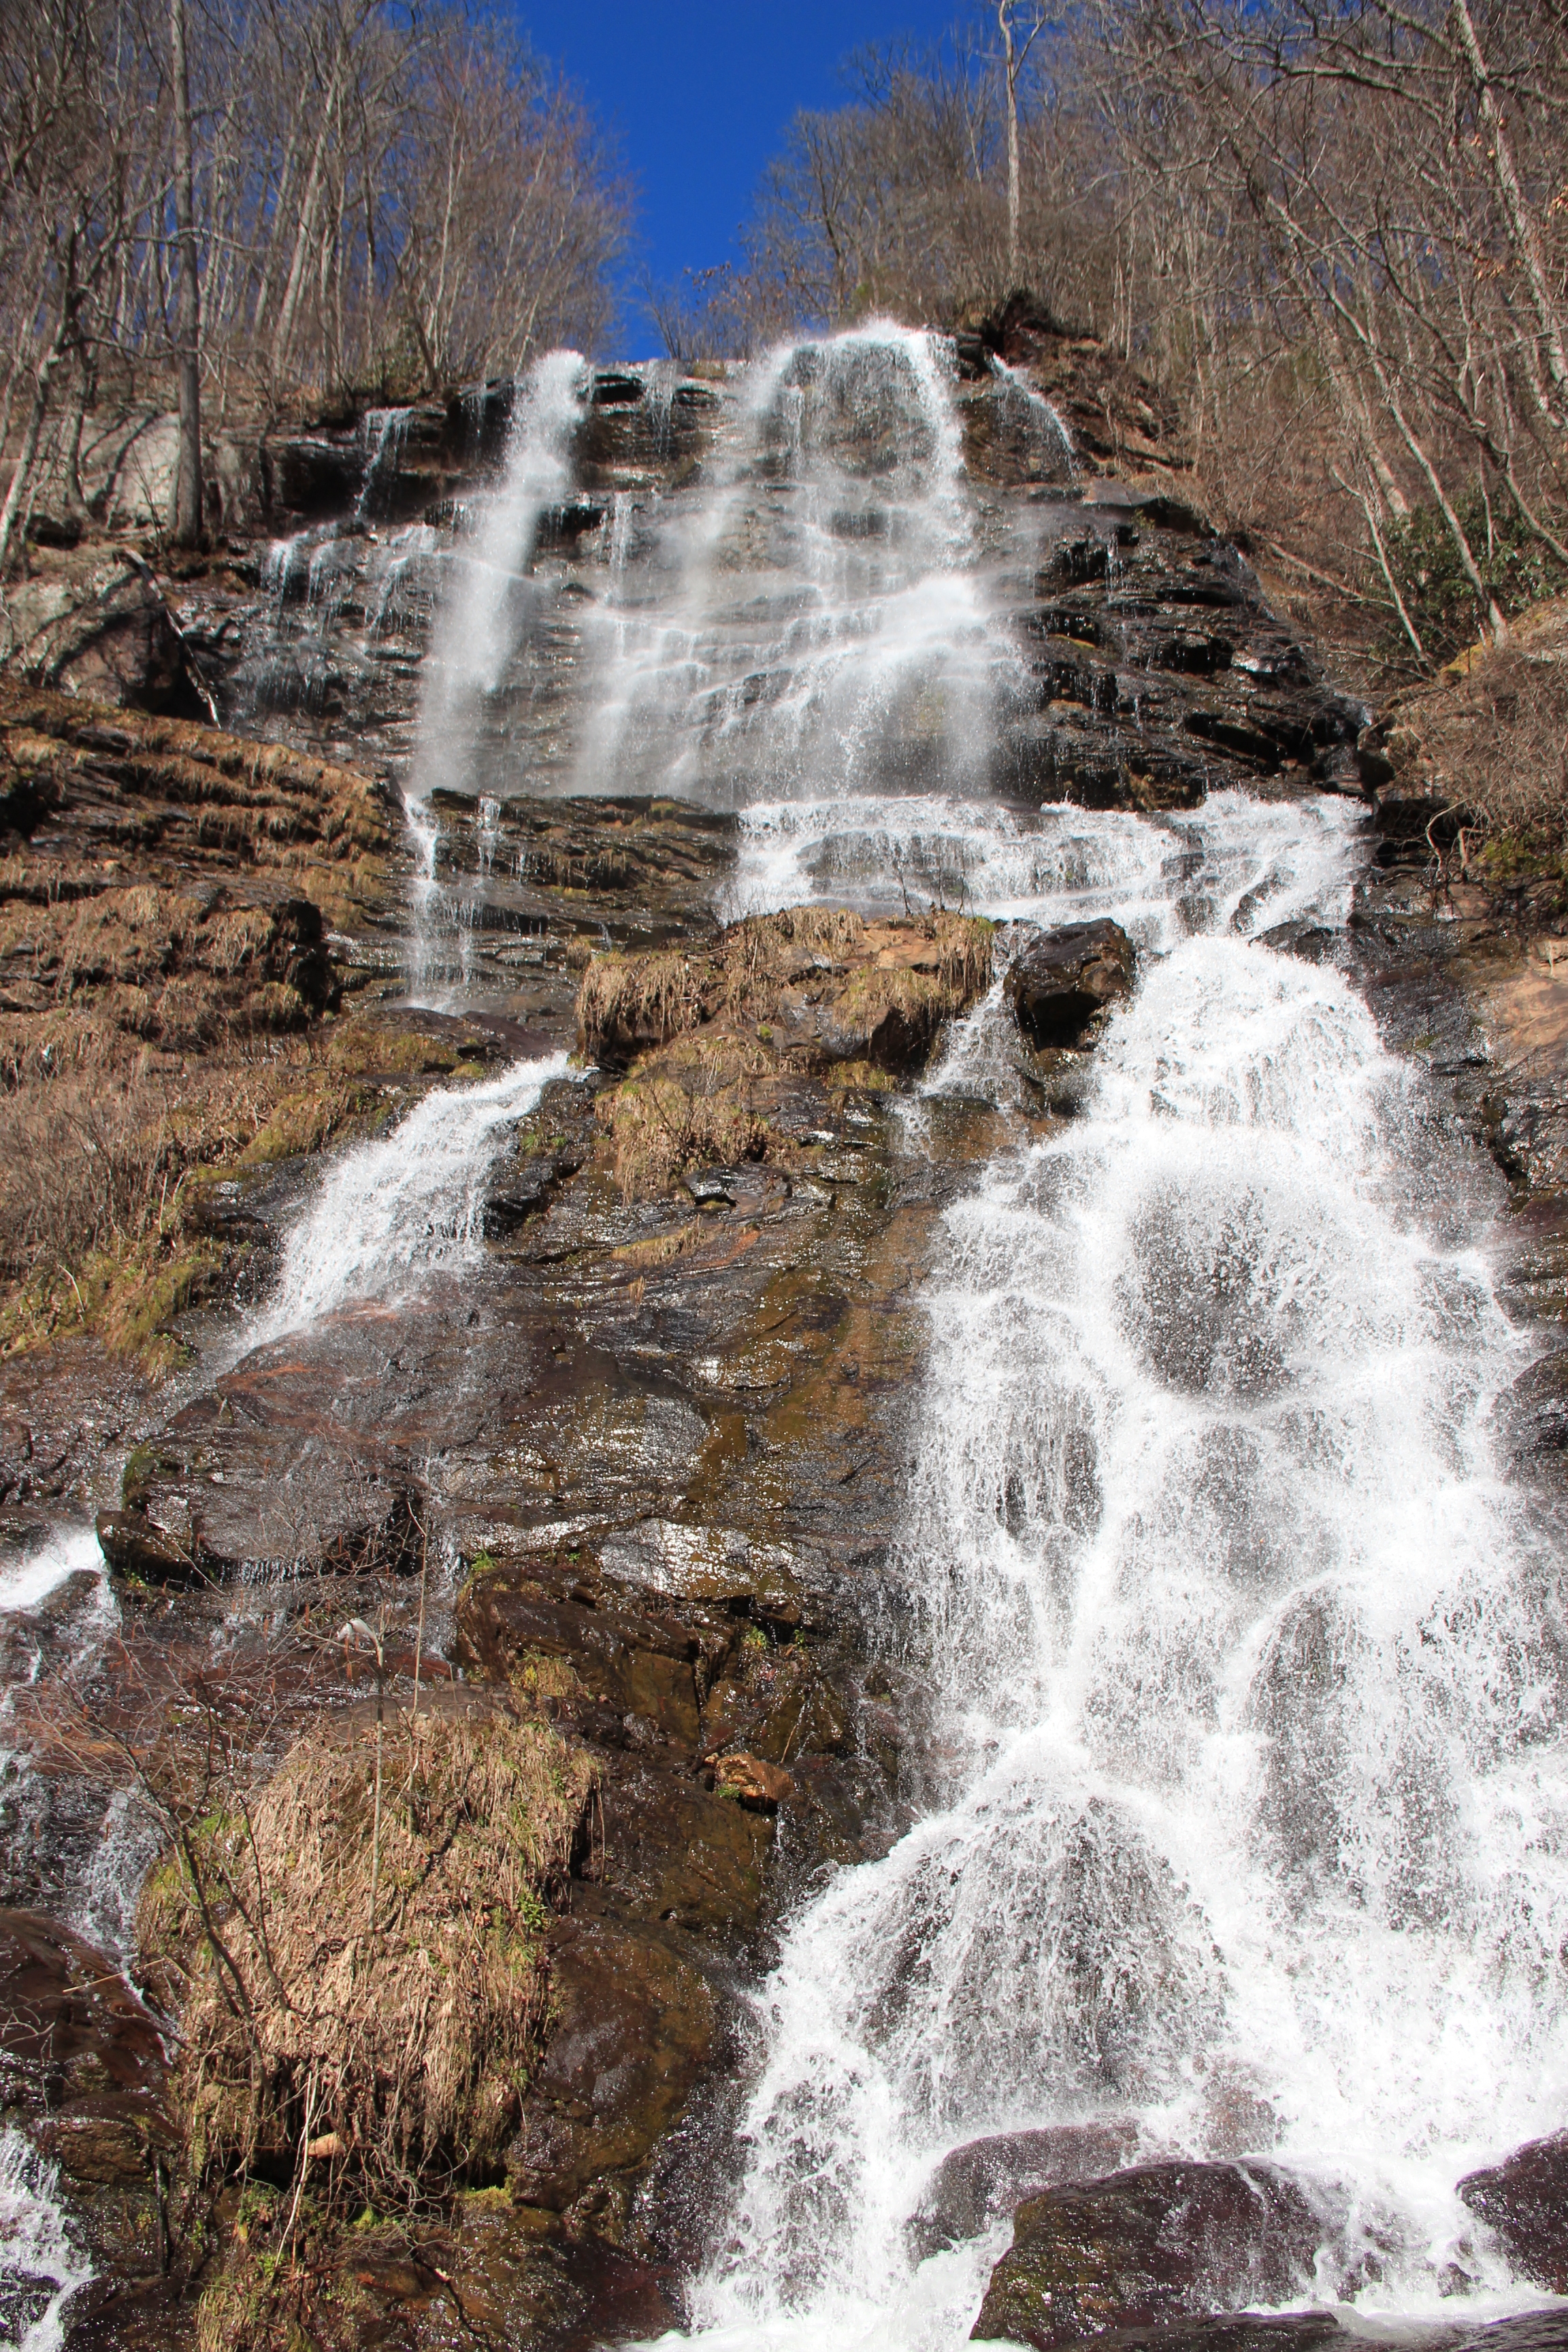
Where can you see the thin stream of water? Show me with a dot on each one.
(478, 621)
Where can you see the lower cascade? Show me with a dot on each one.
(708, 1283)
(1246, 1837)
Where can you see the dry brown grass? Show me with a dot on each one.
(397, 2049)
(104, 1149)
(628, 1001)
(1496, 744)
(807, 992)
(687, 1107)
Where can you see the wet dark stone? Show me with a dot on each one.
(24, 2299)
(1524, 2201)
(71, 2027)
(980, 2182)
(635, 2024)
(1063, 981)
(1148, 2249)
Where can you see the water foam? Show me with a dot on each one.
(41, 2269)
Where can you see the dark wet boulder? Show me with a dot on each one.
(1152, 2248)
(986, 2179)
(261, 1476)
(632, 2025)
(1063, 982)
(1523, 2202)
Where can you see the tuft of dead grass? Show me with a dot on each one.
(803, 993)
(1487, 744)
(629, 1002)
(399, 2048)
(689, 1108)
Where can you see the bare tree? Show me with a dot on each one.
(187, 498)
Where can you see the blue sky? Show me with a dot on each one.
(699, 94)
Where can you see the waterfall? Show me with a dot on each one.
(40, 2268)
(481, 617)
(409, 1205)
(1252, 1818)
(817, 620)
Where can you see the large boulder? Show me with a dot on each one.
(987, 2178)
(1523, 2202)
(1150, 2248)
(1062, 984)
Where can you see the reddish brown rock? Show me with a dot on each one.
(753, 1781)
(1524, 2201)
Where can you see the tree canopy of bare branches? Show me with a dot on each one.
(381, 199)
(1338, 233)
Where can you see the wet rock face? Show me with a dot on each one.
(1524, 2201)
(82, 2068)
(1061, 984)
(1140, 616)
(1152, 2248)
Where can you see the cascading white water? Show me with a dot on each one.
(410, 1204)
(479, 619)
(812, 620)
(41, 2269)
(1252, 1825)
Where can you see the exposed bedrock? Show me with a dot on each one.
(1148, 2248)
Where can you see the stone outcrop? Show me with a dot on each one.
(665, 1410)
(1524, 2202)
(1157, 672)
(987, 2180)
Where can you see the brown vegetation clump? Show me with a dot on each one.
(708, 1035)
(396, 2048)
(1486, 746)
(689, 1108)
(628, 1001)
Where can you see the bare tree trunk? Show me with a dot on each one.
(186, 518)
(1010, 76)
(1520, 222)
(18, 496)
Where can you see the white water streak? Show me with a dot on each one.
(391, 1213)
(478, 621)
(41, 2269)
